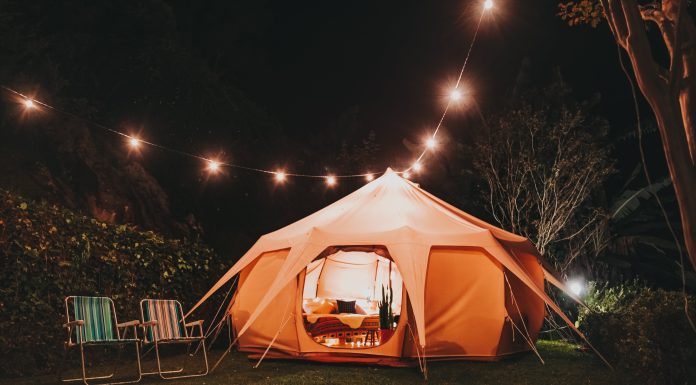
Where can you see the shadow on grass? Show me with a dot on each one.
(564, 365)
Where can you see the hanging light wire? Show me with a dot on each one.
(214, 164)
(432, 139)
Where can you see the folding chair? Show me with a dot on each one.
(94, 323)
(163, 322)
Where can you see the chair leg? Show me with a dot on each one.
(85, 379)
(162, 373)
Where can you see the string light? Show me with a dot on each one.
(455, 94)
(280, 176)
(213, 166)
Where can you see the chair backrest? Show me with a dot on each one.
(98, 315)
(169, 316)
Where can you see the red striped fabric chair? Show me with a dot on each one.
(91, 321)
(163, 322)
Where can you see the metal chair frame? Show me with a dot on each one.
(188, 338)
(78, 326)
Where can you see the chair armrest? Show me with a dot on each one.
(70, 324)
(127, 324)
(194, 323)
(148, 324)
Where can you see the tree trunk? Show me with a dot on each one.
(670, 93)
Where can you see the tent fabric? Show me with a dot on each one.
(414, 227)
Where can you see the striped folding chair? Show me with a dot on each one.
(93, 322)
(163, 322)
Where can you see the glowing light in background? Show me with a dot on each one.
(406, 174)
(576, 286)
(331, 180)
(417, 167)
(488, 4)
(29, 104)
(455, 95)
(369, 177)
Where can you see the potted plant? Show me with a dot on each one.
(386, 315)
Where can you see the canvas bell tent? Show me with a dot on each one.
(453, 285)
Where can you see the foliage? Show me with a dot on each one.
(48, 252)
(581, 12)
(540, 161)
(643, 331)
(386, 315)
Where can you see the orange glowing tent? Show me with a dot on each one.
(464, 289)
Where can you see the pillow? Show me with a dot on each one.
(359, 310)
(324, 307)
(346, 306)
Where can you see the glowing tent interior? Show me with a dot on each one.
(462, 288)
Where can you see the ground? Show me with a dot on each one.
(564, 365)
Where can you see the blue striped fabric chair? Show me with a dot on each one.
(93, 322)
(163, 322)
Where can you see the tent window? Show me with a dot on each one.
(341, 299)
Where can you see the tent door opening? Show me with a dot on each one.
(351, 299)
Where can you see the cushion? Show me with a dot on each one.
(322, 307)
(359, 310)
(346, 306)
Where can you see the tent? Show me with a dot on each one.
(466, 289)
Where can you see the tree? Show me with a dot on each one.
(540, 162)
(669, 89)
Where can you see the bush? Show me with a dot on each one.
(643, 331)
(48, 252)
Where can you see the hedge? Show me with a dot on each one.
(48, 252)
(645, 332)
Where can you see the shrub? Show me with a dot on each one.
(48, 252)
(643, 331)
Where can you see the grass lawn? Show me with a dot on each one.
(564, 365)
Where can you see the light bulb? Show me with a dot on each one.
(331, 180)
(431, 143)
(279, 176)
(28, 103)
(213, 166)
(134, 142)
